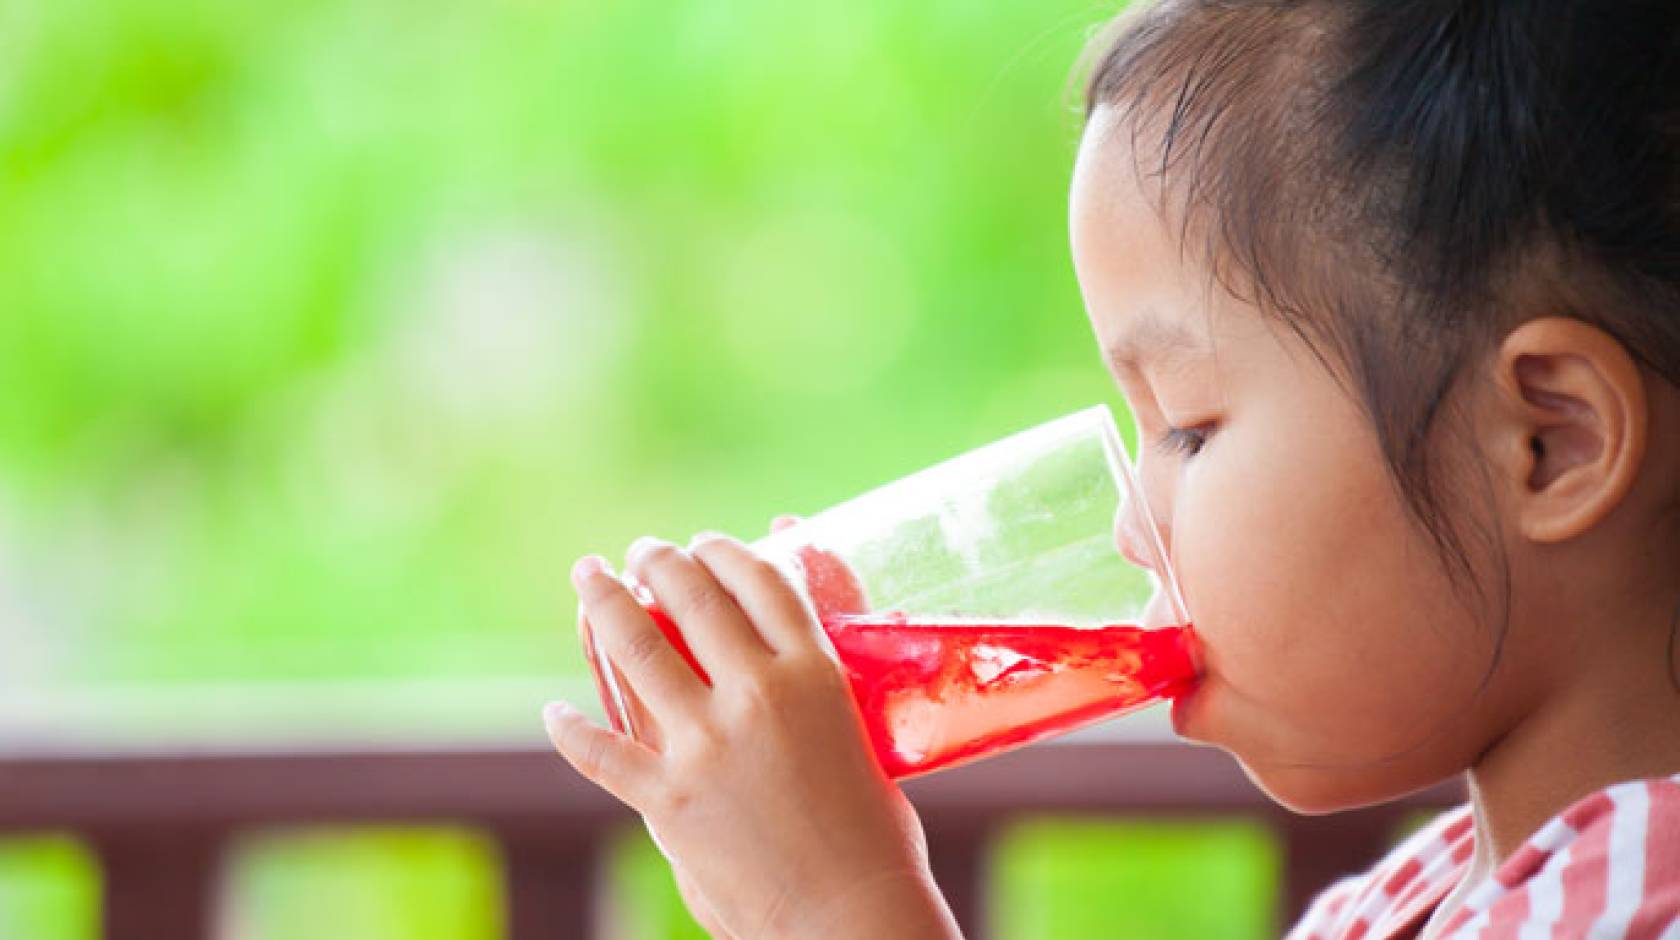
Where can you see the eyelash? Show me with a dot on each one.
(1186, 441)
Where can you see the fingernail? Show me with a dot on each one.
(706, 536)
(586, 566)
(556, 714)
(638, 546)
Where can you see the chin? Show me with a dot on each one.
(1315, 791)
(1310, 785)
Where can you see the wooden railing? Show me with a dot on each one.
(158, 822)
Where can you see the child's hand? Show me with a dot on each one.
(761, 788)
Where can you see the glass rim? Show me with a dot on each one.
(1120, 465)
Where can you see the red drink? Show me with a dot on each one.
(938, 694)
(935, 694)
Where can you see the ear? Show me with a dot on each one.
(1574, 426)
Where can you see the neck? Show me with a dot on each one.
(1617, 718)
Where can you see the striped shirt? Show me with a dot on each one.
(1607, 867)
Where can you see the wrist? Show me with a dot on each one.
(900, 903)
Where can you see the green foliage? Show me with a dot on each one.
(335, 331)
(413, 884)
(1146, 880)
(49, 889)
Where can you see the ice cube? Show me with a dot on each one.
(989, 663)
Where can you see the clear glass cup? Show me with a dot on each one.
(1013, 593)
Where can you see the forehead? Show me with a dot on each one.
(1108, 179)
(1140, 288)
(1150, 290)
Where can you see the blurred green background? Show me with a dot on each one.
(345, 326)
(332, 331)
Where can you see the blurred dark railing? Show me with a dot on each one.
(158, 822)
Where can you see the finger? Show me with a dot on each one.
(832, 584)
(599, 670)
(625, 711)
(718, 632)
(607, 759)
(773, 605)
(634, 643)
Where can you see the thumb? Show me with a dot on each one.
(611, 761)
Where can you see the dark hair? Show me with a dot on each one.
(1464, 159)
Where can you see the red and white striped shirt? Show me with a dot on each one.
(1607, 867)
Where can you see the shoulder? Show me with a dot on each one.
(1409, 878)
(1609, 865)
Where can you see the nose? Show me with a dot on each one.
(1131, 536)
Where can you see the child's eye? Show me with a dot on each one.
(1186, 441)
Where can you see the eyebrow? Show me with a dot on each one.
(1147, 338)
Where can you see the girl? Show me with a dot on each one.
(1393, 286)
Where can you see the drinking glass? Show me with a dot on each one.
(1015, 592)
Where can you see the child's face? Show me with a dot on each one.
(1341, 669)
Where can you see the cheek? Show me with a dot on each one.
(1323, 612)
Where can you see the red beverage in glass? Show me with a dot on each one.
(946, 663)
(935, 694)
